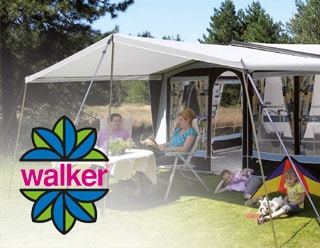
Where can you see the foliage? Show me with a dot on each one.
(137, 92)
(305, 26)
(145, 34)
(258, 26)
(165, 37)
(118, 146)
(35, 34)
(224, 25)
(231, 95)
(177, 38)
(251, 25)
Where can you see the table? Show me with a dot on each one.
(123, 166)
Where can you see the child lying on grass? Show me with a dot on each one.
(241, 181)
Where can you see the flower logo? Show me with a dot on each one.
(62, 205)
(64, 143)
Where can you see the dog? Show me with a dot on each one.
(274, 204)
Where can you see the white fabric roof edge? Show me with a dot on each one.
(88, 79)
(139, 58)
(38, 76)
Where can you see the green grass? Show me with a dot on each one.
(192, 217)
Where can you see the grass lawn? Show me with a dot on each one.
(192, 217)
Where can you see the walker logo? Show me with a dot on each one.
(64, 144)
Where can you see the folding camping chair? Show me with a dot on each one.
(182, 163)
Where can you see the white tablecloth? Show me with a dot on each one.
(123, 166)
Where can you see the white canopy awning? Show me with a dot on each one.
(144, 58)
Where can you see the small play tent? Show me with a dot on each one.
(275, 181)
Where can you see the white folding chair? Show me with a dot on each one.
(186, 165)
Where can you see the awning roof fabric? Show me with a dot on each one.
(142, 58)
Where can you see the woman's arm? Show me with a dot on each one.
(220, 188)
(186, 146)
(162, 147)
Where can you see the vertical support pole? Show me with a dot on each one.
(111, 88)
(246, 134)
(18, 136)
(211, 82)
(296, 115)
(168, 110)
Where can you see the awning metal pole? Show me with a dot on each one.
(93, 77)
(110, 97)
(18, 136)
(244, 73)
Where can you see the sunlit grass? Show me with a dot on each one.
(192, 217)
(227, 117)
(140, 114)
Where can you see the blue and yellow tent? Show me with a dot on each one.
(275, 182)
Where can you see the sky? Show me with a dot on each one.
(188, 18)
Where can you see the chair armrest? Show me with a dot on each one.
(176, 153)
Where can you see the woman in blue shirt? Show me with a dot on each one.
(182, 138)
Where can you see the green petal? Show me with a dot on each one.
(83, 134)
(38, 141)
(90, 208)
(58, 129)
(69, 221)
(32, 195)
(45, 216)
(95, 155)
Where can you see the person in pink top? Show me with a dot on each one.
(241, 181)
(115, 131)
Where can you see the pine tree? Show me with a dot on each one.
(224, 25)
(305, 25)
(251, 25)
(258, 26)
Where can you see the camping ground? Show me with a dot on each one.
(192, 217)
